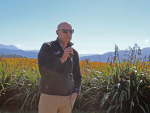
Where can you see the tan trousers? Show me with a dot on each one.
(55, 104)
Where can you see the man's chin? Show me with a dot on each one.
(68, 39)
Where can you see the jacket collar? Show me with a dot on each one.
(58, 43)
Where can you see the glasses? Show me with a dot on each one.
(71, 31)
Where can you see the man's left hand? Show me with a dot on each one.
(74, 95)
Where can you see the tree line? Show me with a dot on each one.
(12, 56)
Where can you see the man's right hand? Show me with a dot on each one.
(66, 54)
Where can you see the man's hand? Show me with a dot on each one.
(74, 95)
(66, 54)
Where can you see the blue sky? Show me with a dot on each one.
(98, 24)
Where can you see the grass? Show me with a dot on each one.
(75, 111)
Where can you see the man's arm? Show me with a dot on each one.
(45, 66)
(77, 75)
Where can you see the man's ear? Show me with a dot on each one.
(57, 32)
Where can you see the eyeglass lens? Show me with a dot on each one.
(66, 31)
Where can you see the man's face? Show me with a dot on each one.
(64, 37)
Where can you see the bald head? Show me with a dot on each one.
(64, 37)
(62, 24)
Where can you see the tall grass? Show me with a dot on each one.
(19, 86)
(122, 87)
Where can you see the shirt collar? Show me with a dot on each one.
(60, 43)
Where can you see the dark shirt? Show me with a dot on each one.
(56, 77)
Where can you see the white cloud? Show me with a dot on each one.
(18, 45)
(146, 40)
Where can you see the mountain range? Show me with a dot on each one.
(11, 49)
(145, 52)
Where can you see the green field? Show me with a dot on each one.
(109, 87)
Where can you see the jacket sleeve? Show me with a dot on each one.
(77, 75)
(46, 67)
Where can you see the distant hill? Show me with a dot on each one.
(92, 57)
(10, 50)
(11, 47)
(19, 52)
(83, 55)
(104, 57)
(32, 50)
(12, 56)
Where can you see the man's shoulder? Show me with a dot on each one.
(50, 43)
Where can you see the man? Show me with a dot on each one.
(60, 73)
